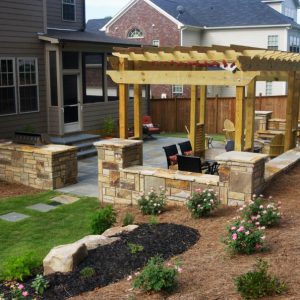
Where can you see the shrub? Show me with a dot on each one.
(40, 284)
(156, 277)
(135, 248)
(153, 203)
(128, 219)
(20, 267)
(202, 203)
(153, 220)
(87, 272)
(109, 126)
(260, 213)
(257, 283)
(243, 237)
(103, 219)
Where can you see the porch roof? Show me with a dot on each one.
(57, 36)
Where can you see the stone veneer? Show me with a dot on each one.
(42, 167)
(241, 174)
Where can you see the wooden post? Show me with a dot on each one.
(123, 104)
(203, 90)
(138, 132)
(250, 115)
(296, 107)
(289, 138)
(239, 118)
(193, 117)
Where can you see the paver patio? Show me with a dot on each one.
(153, 155)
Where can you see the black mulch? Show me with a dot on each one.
(115, 261)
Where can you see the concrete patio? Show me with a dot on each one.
(153, 155)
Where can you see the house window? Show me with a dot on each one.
(7, 87)
(68, 10)
(156, 43)
(112, 87)
(70, 60)
(268, 88)
(135, 33)
(273, 42)
(294, 44)
(53, 78)
(177, 90)
(28, 86)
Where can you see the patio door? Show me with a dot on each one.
(71, 103)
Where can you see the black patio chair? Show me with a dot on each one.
(171, 154)
(185, 148)
(191, 164)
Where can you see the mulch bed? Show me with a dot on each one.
(14, 189)
(115, 261)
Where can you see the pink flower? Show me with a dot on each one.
(257, 246)
(241, 229)
(198, 190)
(25, 294)
(253, 218)
(20, 286)
(256, 223)
(233, 228)
(247, 232)
(179, 269)
(234, 236)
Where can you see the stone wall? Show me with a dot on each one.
(43, 167)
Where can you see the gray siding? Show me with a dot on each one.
(19, 23)
(54, 15)
(54, 121)
(94, 114)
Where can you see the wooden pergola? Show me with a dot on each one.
(238, 66)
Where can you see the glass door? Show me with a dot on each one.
(71, 103)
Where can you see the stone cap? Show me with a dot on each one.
(117, 143)
(241, 157)
(43, 149)
(173, 174)
(263, 112)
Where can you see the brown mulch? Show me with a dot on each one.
(13, 189)
(208, 271)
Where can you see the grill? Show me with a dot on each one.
(35, 139)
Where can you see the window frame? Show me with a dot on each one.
(13, 59)
(156, 43)
(36, 84)
(62, 10)
(135, 37)
(174, 92)
(269, 88)
(271, 43)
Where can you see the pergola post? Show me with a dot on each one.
(250, 115)
(193, 113)
(138, 132)
(239, 118)
(291, 112)
(203, 90)
(123, 104)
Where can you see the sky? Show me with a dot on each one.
(98, 9)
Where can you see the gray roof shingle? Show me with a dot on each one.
(95, 24)
(224, 13)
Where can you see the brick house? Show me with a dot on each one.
(266, 24)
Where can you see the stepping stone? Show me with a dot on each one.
(55, 203)
(13, 217)
(65, 199)
(41, 207)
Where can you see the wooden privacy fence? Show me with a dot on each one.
(174, 114)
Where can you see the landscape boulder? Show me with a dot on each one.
(94, 241)
(118, 230)
(64, 258)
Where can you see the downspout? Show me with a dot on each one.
(45, 15)
(84, 16)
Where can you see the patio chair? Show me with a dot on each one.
(186, 148)
(229, 130)
(171, 154)
(275, 147)
(191, 164)
(148, 127)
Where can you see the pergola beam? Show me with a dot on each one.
(183, 77)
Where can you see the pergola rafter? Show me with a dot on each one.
(200, 66)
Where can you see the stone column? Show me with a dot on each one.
(113, 156)
(241, 176)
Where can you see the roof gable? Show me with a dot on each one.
(95, 25)
(223, 13)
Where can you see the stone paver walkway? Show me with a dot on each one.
(41, 207)
(13, 217)
(154, 156)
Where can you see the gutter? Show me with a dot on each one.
(252, 26)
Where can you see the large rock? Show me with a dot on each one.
(64, 258)
(94, 241)
(118, 230)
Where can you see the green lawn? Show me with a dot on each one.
(42, 231)
(217, 137)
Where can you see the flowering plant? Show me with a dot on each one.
(202, 202)
(243, 237)
(18, 292)
(153, 203)
(260, 213)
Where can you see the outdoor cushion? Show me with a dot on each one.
(188, 153)
(150, 125)
(173, 159)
